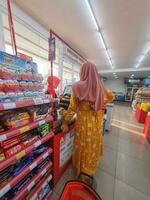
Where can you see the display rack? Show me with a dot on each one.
(28, 187)
(13, 181)
(12, 133)
(32, 160)
(23, 103)
(34, 194)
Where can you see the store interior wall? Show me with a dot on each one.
(2, 43)
(116, 85)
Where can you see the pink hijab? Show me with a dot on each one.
(90, 88)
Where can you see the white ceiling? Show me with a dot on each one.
(125, 26)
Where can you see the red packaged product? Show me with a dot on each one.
(31, 140)
(14, 150)
(10, 143)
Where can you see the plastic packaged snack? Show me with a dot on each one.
(14, 150)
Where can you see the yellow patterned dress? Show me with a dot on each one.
(88, 141)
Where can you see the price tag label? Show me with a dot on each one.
(45, 155)
(20, 155)
(33, 166)
(46, 100)
(44, 172)
(41, 122)
(3, 138)
(9, 106)
(4, 190)
(24, 129)
(38, 101)
(31, 185)
(37, 144)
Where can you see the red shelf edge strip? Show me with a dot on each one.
(14, 158)
(39, 188)
(23, 103)
(28, 187)
(12, 133)
(11, 183)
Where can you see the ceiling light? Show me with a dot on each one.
(99, 31)
(142, 57)
(92, 14)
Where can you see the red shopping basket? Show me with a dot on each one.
(75, 190)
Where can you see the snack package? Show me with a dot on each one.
(31, 140)
(10, 143)
(44, 129)
(14, 150)
(2, 155)
(16, 119)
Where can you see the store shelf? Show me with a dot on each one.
(28, 187)
(47, 197)
(10, 183)
(23, 103)
(34, 194)
(15, 132)
(9, 161)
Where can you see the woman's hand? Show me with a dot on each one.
(65, 127)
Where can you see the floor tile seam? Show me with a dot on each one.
(115, 175)
(134, 157)
(119, 179)
(124, 139)
(101, 169)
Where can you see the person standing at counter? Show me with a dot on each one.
(87, 101)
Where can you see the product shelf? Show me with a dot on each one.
(28, 187)
(23, 103)
(33, 195)
(18, 131)
(13, 181)
(9, 161)
(47, 197)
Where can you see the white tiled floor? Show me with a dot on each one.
(124, 171)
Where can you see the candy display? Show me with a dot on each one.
(23, 127)
(44, 129)
(14, 119)
(39, 112)
(19, 82)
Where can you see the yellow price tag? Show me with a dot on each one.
(24, 129)
(20, 155)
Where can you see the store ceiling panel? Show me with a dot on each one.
(125, 26)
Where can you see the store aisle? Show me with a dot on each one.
(124, 172)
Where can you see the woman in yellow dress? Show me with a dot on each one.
(87, 101)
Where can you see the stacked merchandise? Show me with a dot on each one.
(19, 79)
(25, 135)
(142, 97)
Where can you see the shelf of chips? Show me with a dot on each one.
(25, 129)
(15, 132)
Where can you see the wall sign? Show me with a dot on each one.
(66, 148)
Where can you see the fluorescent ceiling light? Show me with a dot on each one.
(142, 57)
(99, 31)
(92, 14)
(102, 40)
